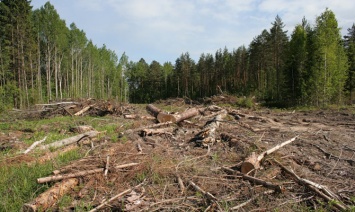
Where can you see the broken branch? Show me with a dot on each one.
(34, 145)
(253, 161)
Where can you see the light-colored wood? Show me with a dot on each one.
(253, 161)
(207, 135)
(130, 116)
(48, 198)
(71, 140)
(80, 173)
(34, 145)
(66, 176)
(160, 131)
(83, 110)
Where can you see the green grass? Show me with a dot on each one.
(18, 184)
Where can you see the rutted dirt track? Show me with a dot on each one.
(179, 173)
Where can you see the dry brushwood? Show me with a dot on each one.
(51, 196)
(207, 136)
(253, 161)
(80, 174)
(116, 197)
(255, 180)
(321, 190)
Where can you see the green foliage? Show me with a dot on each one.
(18, 184)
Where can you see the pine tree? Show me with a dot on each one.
(350, 50)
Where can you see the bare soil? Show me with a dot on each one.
(169, 162)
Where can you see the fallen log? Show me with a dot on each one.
(71, 140)
(83, 110)
(153, 110)
(160, 131)
(80, 174)
(253, 161)
(34, 145)
(208, 134)
(51, 196)
(175, 118)
(73, 175)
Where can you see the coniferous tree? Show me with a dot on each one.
(350, 50)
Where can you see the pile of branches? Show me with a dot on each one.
(80, 107)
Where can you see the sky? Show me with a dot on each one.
(162, 30)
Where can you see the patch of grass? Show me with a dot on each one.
(246, 102)
(18, 184)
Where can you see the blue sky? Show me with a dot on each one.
(162, 30)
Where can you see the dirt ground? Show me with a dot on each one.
(179, 174)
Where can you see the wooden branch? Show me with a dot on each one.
(71, 140)
(116, 197)
(208, 134)
(81, 129)
(255, 180)
(80, 173)
(34, 145)
(51, 196)
(73, 175)
(126, 165)
(130, 116)
(329, 196)
(149, 132)
(83, 110)
(181, 184)
(253, 161)
(250, 200)
(107, 165)
(208, 195)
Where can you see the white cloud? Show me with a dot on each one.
(163, 29)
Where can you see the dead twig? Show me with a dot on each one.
(329, 196)
(116, 197)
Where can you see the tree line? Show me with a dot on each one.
(42, 59)
(314, 67)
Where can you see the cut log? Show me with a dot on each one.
(71, 140)
(51, 196)
(149, 132)
(253, 161)
(154, 111)
(130, 116)
(83, 110)
(175, 118)
(208, 134)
